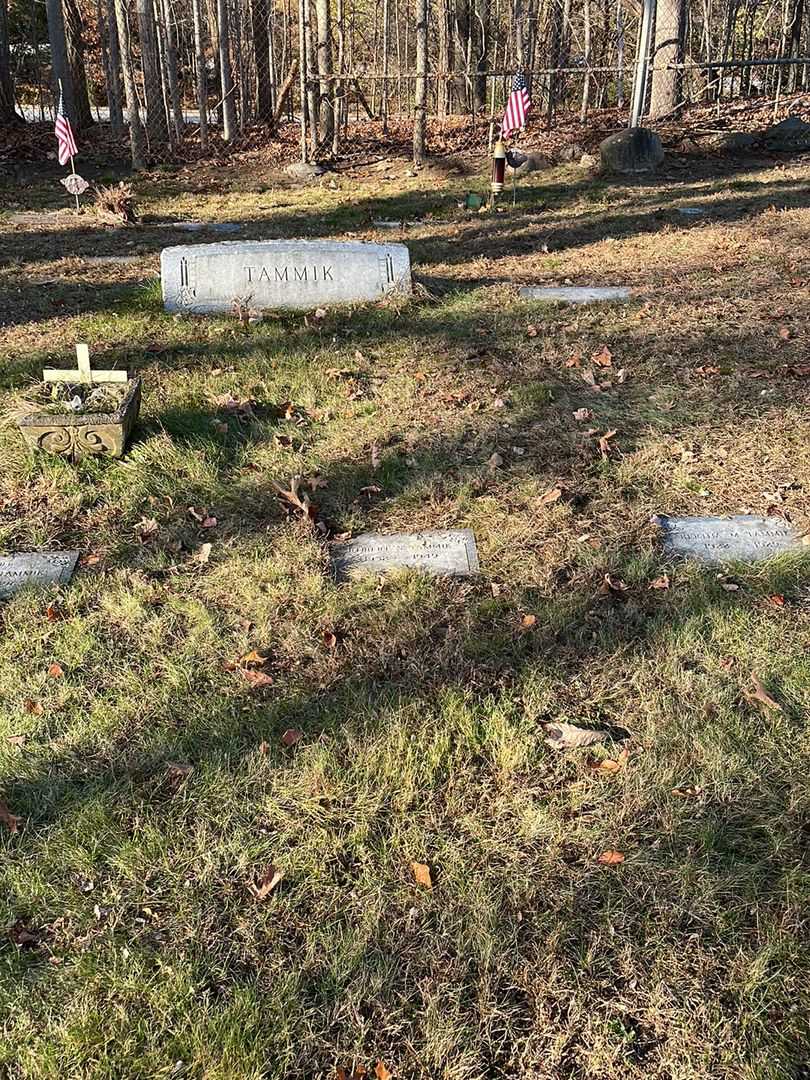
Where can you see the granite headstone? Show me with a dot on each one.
(35, 569)
(278, 274)
(736, 539)
(450, 553)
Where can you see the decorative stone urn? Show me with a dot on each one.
(74, 436)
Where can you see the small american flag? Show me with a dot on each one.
(517, 107)
(64, 134)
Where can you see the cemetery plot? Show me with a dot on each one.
(279, 274)
(575, 294)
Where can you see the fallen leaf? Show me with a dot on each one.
(495, 462)
(761, 695)
(253, 658)
(329, 639)
(267, 882)
(291, 736)
(177, 773)
(610, 766)
(603, 357)
(8, 819)
(528, 621)
(33, 708)
(203, 554)
(784, 333)
(89, 560)
(687, 792)
(660, 582)
(604, 442)
(589, 378)
(264, 748)
(611, 858)
(22, 936)
(551, 496)
(297, 499)
(16, 740)
(613, 585)
(583, 414)
(208, 523)
(421, 873)
(52, 613)
(776, 600)
(381, 1072)
(55, 671)
(531, 330)
(258, 679)
(146, 530)
(563, 736)
(575, 359)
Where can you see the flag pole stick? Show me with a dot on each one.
(72, 166)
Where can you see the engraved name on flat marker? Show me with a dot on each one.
(717, 540)
(450, 553)
(279, 274)
(35, 569)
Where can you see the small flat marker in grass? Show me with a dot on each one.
(575, 294)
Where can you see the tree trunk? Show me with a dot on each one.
(284, 93)
(312, 88)
(156, 130)
(261, 53)
(137, 140)
(666, 85)
(327, 86)
(444, 52)
(202, 73)
(586, 84)
(171, 69)
(341, 87)
(420, 91)
(303, 103)
(60, 68)
(111, 58)
(226, 74)
(385, 47)
(481, 37)
(8, 114)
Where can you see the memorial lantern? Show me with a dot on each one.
(498, 167)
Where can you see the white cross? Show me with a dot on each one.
(84, 374)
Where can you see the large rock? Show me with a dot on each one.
(637, 150)
(789, 135)
(304, 171)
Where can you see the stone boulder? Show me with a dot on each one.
(304, 171)
(636, 150)
(791, 134)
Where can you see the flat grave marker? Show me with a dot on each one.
(281, 274)
(34, 568)
(575, 294)
(447, 553)
(735, 539)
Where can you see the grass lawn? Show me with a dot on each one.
(153, 786)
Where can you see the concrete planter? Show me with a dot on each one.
(74, 436)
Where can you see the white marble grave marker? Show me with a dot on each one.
(278, 274)
(735, 539)
(575, 294)
(35, 568)
(450, 553)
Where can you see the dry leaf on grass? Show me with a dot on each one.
(583, 414)
(16, 740)
(253, 659)
(611, 858)
(660, 582)
(268, 880)
(563, 736)
(604, 442)
(33, 708)
(381, 1072)
(258, 680)
(330, 639)
(613, 584)
(55, 671)
(421, 873)
(295, 498)
(603, 357)
(291, 736)
(9, 820)
(528, 621)
(761, 695)
(551, 496)
(610, 766)
(687, 792)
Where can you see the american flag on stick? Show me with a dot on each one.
(64, 133)
(517, 107)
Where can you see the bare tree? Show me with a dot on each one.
(666, 84)
(137, 139)
(327, 86)
(202, 73)
(110, 58)
(8, 114)
(226, 73)
(420, 91)
(156, 128)
(261, 54)
(60, 68)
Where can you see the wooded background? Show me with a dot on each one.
(165, 71)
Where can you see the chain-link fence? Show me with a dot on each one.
(216, 72)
